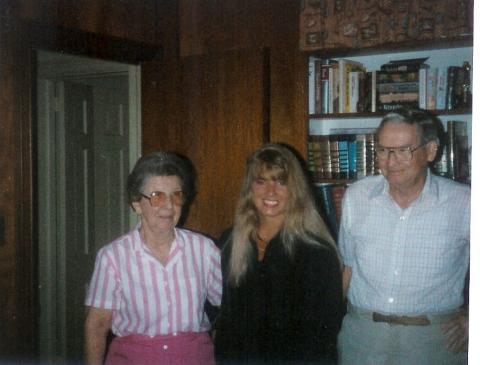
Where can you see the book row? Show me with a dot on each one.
(329, 202)
(345, 86)
(455, 159)
(342, 156)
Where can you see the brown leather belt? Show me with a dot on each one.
(403, 320)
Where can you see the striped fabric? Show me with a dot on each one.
(149, 298)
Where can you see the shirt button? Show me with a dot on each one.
(402, 218)
(390, 300)
(165, 347)
(396, 272)
(174, 333)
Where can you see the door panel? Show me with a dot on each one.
(111, 158)
(79, 248)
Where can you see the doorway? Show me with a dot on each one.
(88, 139)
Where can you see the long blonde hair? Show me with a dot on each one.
(302, 220)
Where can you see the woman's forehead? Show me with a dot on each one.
(269, 172)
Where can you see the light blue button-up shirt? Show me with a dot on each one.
(406, 261)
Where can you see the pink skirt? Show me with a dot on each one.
(189, 348)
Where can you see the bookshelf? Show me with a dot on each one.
(330, 187)
(374, 33)
(329, 124)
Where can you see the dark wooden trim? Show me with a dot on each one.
(72, 41)
(466, 41)
(266, 95)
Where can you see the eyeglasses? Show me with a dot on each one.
(401, 153)
(159, 198)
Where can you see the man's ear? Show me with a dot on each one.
(432, 149)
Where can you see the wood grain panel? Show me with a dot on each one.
(224, 105)
(212, 112)
(127, 19)
(15, 192)
(216, 26)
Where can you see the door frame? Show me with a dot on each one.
(35, 36)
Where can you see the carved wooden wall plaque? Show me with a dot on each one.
(334, 24)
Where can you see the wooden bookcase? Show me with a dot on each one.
(375, 32)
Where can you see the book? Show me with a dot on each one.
(371, 167)
(412, 64)
(422, 87)
(311, 85)
(334, 156)
(343, 160)
(318, 85)
(455, 78)
(346, 66)
(361, 155)
(441, 88)
(338, 191)
(333, 88)
(398, 76)
(457, 151)
(432, 76)
(320, 152)
(323, 197)
(325, 88)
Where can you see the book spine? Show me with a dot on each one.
(337, 192)
(311, 85)
(352, 157)
(374, 91)
(325, 201)
(361, 158)
(432, 75)
(325, 88)
(441, 88)
(389, 77)
(318, 86)
(422, 88)
(343, 161)
(353, 91)
(334, 157)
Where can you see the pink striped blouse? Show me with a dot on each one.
(151, 299)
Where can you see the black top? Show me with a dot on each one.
(285, 309)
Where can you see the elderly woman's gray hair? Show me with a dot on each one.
(161, 164)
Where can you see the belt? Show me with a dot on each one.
(418, 320)
(404, 320)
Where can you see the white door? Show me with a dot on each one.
(88, 139)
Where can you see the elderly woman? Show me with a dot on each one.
(282, 290)
(150, 286)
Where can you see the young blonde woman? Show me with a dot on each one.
(282, 292)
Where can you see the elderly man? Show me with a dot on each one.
(404, 240)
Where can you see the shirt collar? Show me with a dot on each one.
(178, 243)
(429, 194)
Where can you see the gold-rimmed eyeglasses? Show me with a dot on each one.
(159, 198)
(400, 153)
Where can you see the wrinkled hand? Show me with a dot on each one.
(456, 333)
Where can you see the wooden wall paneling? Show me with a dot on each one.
(16, 203)
(126, 19)
(288, 67)
(216, 26)
(224, 107)
(163, 122)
